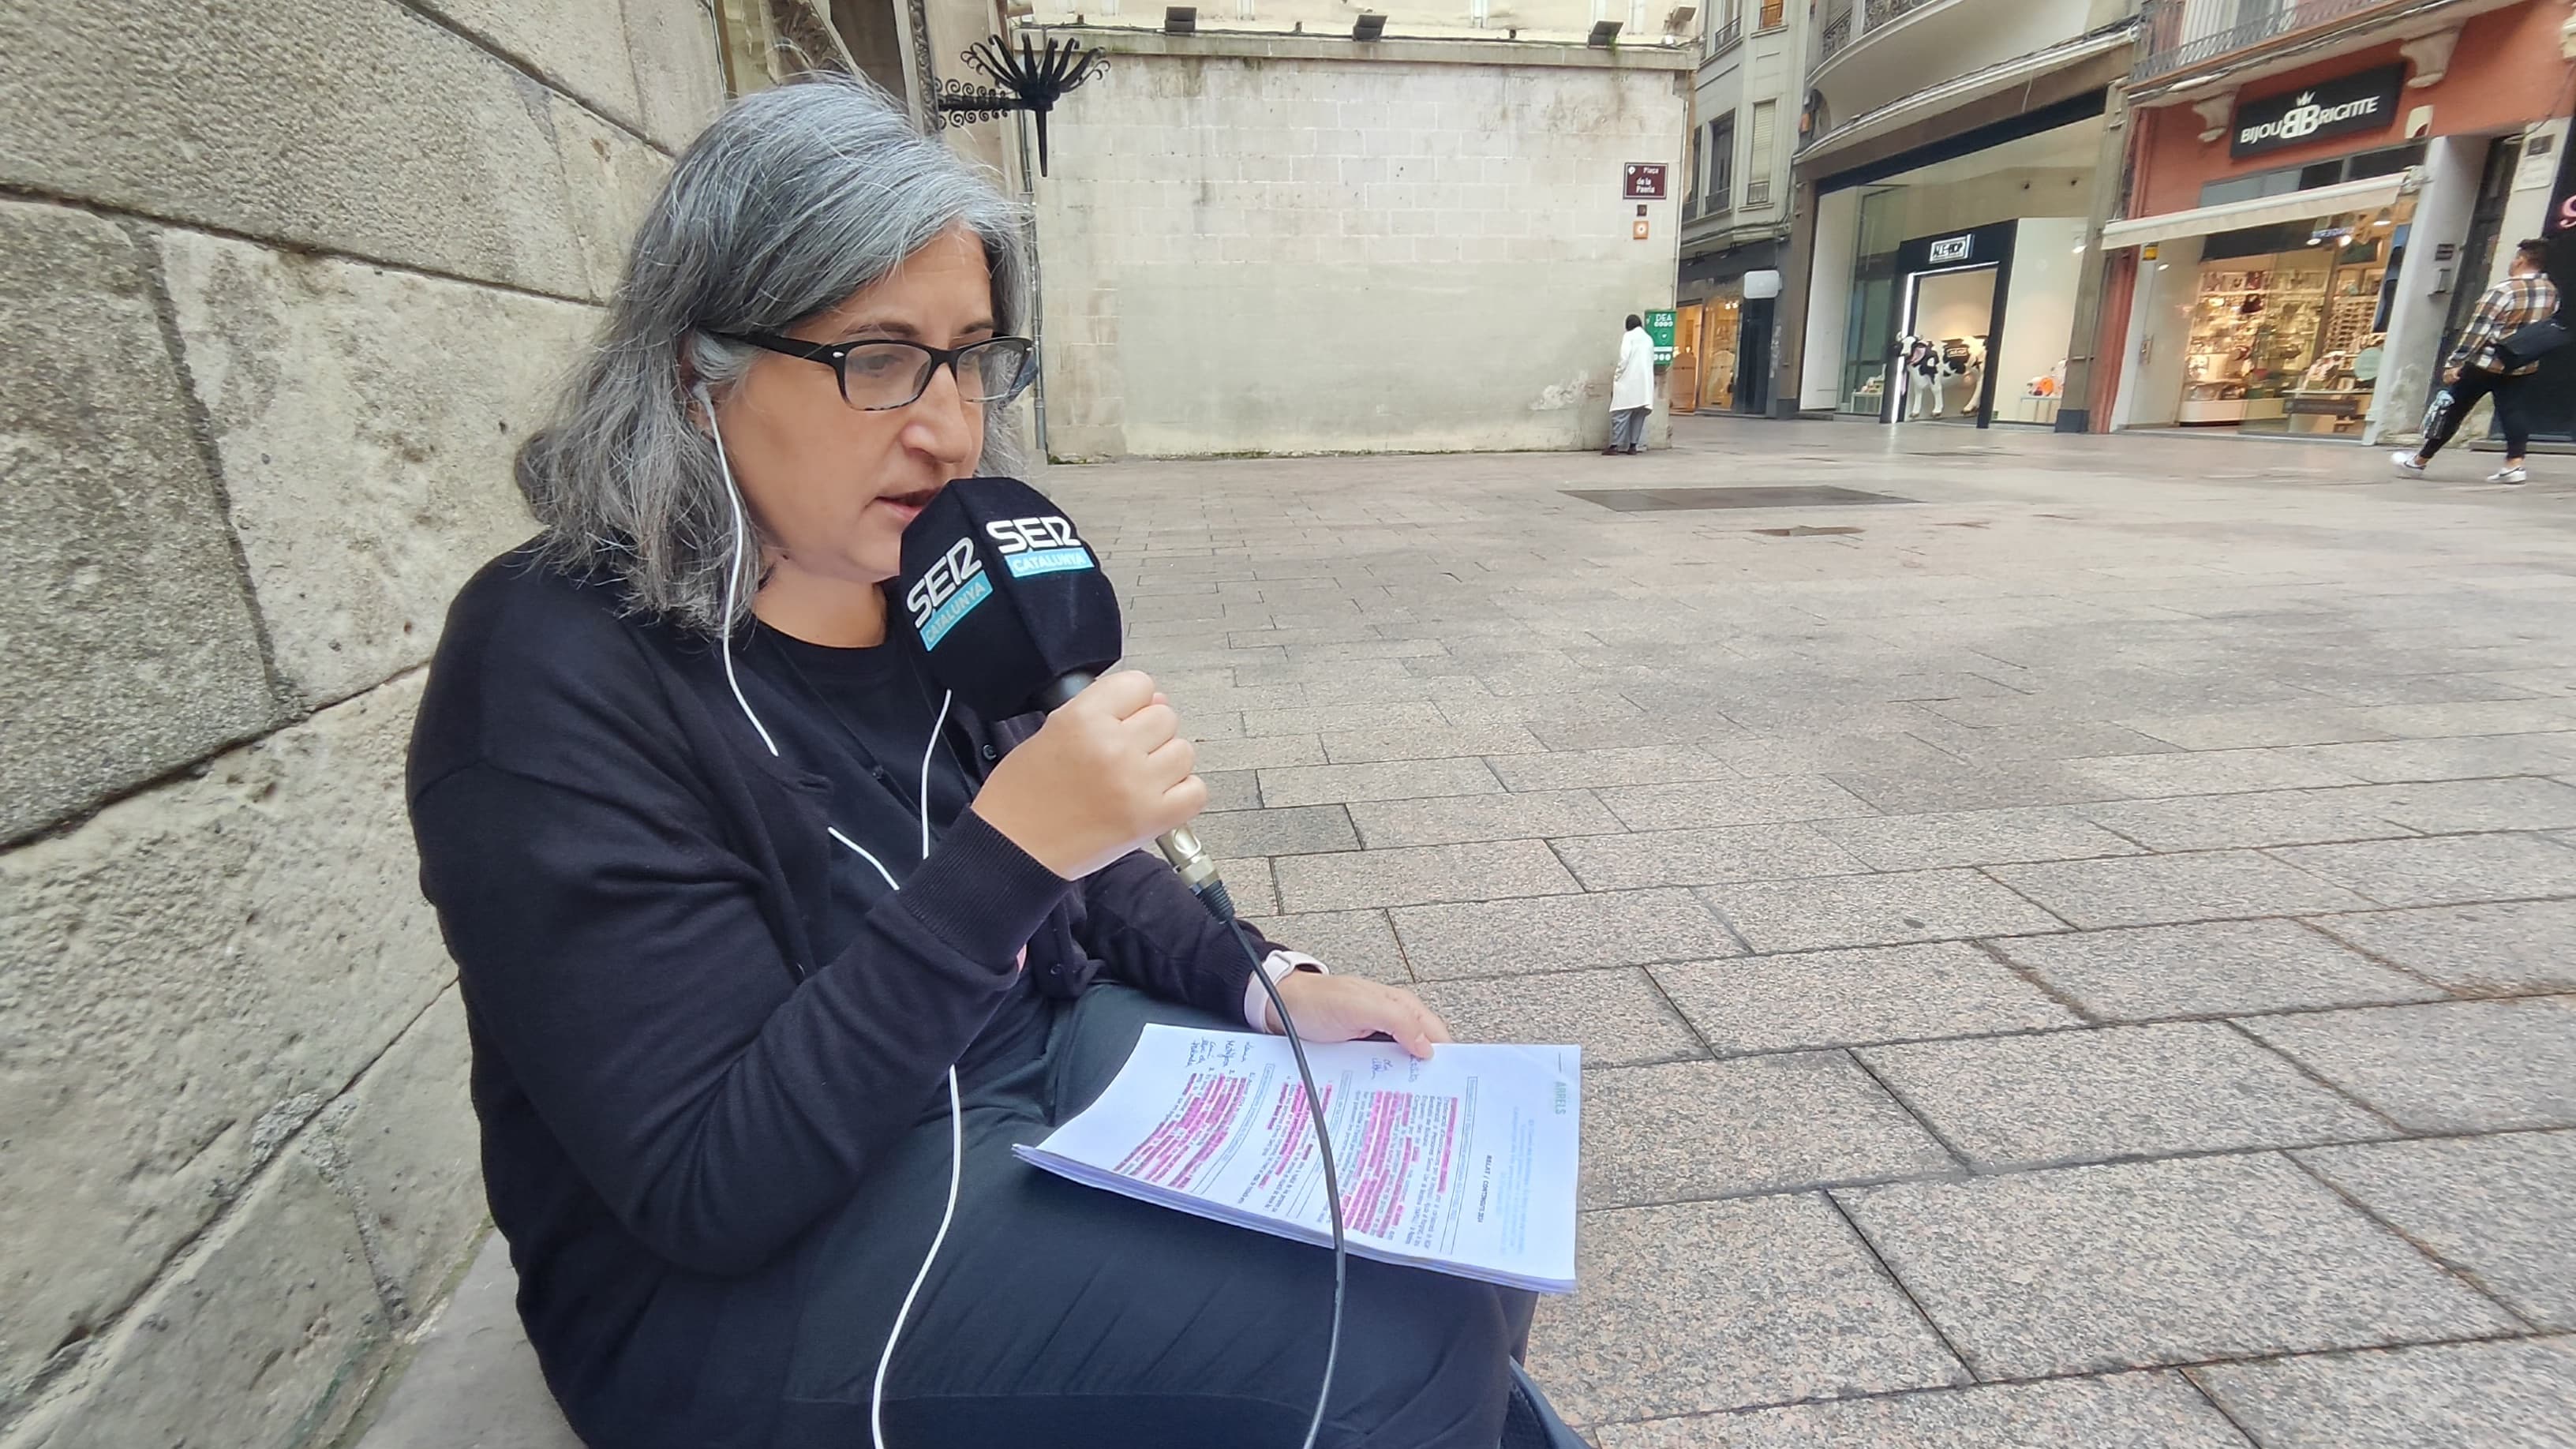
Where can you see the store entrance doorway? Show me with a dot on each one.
(1942, 334)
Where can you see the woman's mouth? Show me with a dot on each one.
(907, 506)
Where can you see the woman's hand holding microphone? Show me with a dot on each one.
(1110, 771)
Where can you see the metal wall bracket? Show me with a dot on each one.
(1030, 79)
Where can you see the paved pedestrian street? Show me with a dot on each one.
(2077, 951)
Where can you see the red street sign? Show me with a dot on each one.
(1646, 181)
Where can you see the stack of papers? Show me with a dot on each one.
(1461, 1164)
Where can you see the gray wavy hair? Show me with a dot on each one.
(792, 200)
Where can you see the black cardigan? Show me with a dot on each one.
(675, 1079)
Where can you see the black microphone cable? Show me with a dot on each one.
(1220, 904)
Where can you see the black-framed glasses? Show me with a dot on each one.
(879, 377)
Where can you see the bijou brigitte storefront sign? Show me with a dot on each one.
(2346, 106)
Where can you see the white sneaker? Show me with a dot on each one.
(2509, 475)
(2408, 464)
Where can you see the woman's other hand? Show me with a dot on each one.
(1348, 1008)
(1109, 771)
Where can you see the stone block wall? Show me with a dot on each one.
(282, 286)
(1273, 245)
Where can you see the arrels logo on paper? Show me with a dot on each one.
(2305, 118)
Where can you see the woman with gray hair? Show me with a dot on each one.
(770, 953)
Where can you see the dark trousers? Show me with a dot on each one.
(1063, 1317)
(2476, 383)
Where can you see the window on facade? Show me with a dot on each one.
(1764, 131)
(1775, 13)
(2385, 162)
(1721, 163)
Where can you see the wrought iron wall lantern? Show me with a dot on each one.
(1031, 79)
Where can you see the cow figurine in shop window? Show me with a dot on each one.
(1929, 365)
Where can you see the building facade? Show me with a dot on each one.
(1735, 203)
(285, 285)
(1263, 234)
(1955, 161)
(2320, 192)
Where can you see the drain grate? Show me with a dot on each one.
(1803, 530)
(1668, 500)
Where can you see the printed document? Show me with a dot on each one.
(1462, 1164)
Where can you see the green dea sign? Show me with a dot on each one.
(1659, 326)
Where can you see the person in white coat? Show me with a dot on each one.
(1632, 390)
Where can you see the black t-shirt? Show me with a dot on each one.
(870, 712)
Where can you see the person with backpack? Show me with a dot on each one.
(2514, 328)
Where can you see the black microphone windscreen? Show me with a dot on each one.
(1004, 596)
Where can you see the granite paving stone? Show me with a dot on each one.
(2087, 1269)
(1973, 837)
(2480, 950)
(1358, 943)
(1361, 880)
(2153, 1410)
(2445, 870)
(2473, 717)
(1704, 857)
(2466, 1396)
(1694, 804)
(1589, 769)
(1823, 752)
(1877, 910)
(2263, 728)
(2502, 1208)
(1232, 789)
(1694, 1130)
(1848, 998)
(1616, 1015)
(1294, 830)
(2456, 1066)
(1703, 1307)
(2164, 889)
(1264, 752)
(2469, 758)
(2447, 807)
(2119, 1092)
(1399, 780)
(1338, 718)
(2207, 772)
(2061, 740)
(1371, 746)
(1449, 820)
(1559, 933)
(2224, 968)
(2224, 822)
(1972, 786)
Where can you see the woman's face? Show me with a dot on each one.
(832, 486)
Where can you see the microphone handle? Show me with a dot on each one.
(1179, 846)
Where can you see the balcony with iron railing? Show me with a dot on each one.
(1836, 34)
(1726, 37)
(1869, 53)
(2178, 34)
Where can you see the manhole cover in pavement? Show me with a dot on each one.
(1667, 500)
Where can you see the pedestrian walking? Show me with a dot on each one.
(1632, 390)
(2496, 357)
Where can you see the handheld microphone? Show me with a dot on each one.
(1014, 614)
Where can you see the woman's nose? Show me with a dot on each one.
(942, 423)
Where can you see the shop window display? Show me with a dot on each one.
(2290, 341)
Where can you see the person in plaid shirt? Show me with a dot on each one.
(2478, 368)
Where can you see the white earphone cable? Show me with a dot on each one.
(956, 1111)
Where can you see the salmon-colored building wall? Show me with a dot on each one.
(2505, 73)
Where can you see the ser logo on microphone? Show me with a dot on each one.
(948, 592)
(1038, 545)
